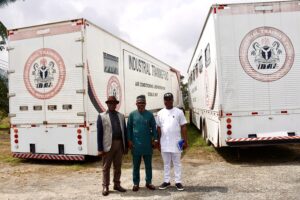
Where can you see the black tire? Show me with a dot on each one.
(205, 137)
(191, 117)
(201, 126)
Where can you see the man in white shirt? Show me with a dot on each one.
(171, 127)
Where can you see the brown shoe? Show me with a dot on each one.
(105, 191)
(119, 188)
(135, 188)
(150, 186)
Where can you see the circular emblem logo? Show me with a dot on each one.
(266, 54)
(44, 73)
(114, 89)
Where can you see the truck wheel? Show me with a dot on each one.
(191, 117)
(205, 136)
(201, 126)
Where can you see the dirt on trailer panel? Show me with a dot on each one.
(258, 173)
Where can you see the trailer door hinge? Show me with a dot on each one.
(81, 114)
(11, 95)
(10, 71)
(12, 115)
(81, 91)
(9, 48)
(79, 65)
(81, 39)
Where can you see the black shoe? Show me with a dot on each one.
(119, 188)
(164, 186)
(105, 191)
(150, 186)
(135, 188)
(179, 186)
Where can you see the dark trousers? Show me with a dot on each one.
(113, 156)
(136, 159)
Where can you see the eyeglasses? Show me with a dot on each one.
(111, 102)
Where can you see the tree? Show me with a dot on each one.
(3, 30)
(4, 108)
(3, 93)
(185, 93)
(3, 34)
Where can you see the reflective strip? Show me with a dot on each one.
(263, 139)
(48, 156)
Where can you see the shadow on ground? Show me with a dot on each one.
(143, 192)
(268, 155)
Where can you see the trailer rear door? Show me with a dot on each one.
(46, 79)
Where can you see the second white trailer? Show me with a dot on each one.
(244, 75)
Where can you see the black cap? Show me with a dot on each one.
(168, 95)
(112, 99)
(141, 98)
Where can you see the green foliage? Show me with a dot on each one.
(5, 2)
(185, 94)
(4, 123)
(3, 30)
(3, 36)
(3, 96)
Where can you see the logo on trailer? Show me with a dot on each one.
(266, 54)
(114, 89)
(44, 73)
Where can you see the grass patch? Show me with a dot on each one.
(4, 123)
(9, 159)
(196, 141)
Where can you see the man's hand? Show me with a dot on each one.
(130, 145)
(185, 145)
(101, 153)
(155, 144)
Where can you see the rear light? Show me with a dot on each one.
(79, 137)
(78, 131)
(82, 125)
(229, 132)
(16, 136)
(13, 126)
(79, 22)
(221, 7)
(254, 113)
(79, 142)
(33, 125)
(64, 125)
(284, 111)
(16, 131)
(228, 114)
(228, 126)
(16, 141)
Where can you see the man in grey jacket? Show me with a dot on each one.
(112, 143)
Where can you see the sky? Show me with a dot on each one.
(166, 29)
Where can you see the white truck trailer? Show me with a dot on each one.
(244, 75)
(60, 75)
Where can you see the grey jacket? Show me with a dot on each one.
(104, 132)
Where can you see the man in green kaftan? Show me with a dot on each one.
(141, 130)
